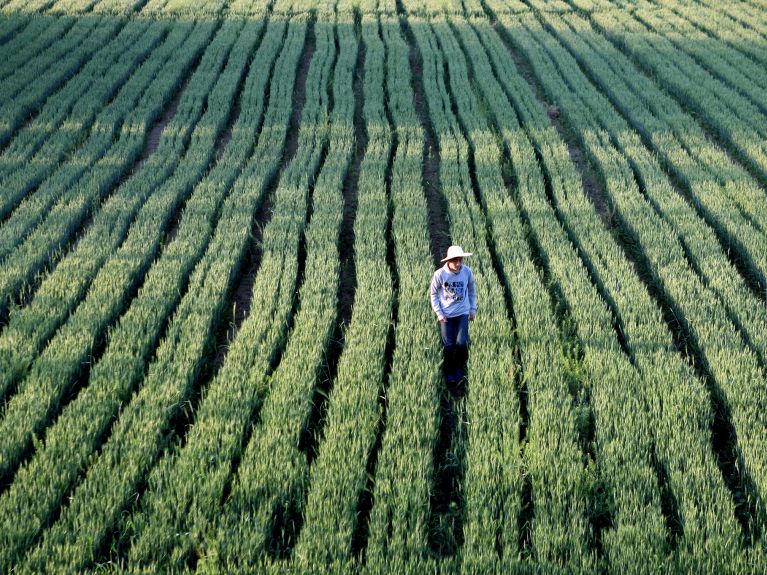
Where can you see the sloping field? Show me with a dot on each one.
(218, 224)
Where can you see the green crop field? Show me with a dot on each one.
(218, 224)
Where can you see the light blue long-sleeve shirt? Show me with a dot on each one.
(453, 294)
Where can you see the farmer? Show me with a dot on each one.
(454, 300)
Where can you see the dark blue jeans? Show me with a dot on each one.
(455, 342)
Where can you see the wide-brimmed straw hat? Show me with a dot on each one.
(455, 252)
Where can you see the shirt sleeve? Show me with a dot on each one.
(434, 293)
(472, 289)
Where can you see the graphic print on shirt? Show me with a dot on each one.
(454, 291)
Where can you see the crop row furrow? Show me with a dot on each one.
(727, 196)
(268, 488)
(696, 307)
(52, 236)
(61, 290)
(138, 436)
(113, 377)
(748, 17)
(492, 399)
(730, 117)
(338, 475)
(630, 511)
(725, 30)
(162, 534)
(27, 37)
(176, 513)
(398, 522)
(649, 341)
(731, 67)
(592, 420)
(13, 25)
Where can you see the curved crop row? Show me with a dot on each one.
(199, 473)
(137, 436)
(730, 116)
(62, 289)
(551, 416)
(400, 513)
(621, 443)
(27, 38)
(720, 60)
(709, 176)
(62, 220)
(52, 69)
(272, 477)
(339, 474)
(720, 27)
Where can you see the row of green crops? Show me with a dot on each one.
(722, 192)
(339, 474)
(710, 176)
(27, 36)
(60, 291)
(398, 522)
(727, 356)
(24, 91)
(727, 113)
(108, 159)
(144, 421)
(552, 421)
(621, 447)
(268, 493)
(177, 483)
(38, 149)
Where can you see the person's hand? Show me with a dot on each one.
(471, 316)
(441, 319)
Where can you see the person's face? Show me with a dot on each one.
(455, 264)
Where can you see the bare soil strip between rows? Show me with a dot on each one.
(279, 546)
(446, 506)
(59, 85)
(439, 229)
(365, 502)
(240, 296)
(286, 523)
(571, 346)
(746, 270)
(601, 513)
(312, 434)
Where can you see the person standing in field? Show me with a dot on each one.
(454, 300)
